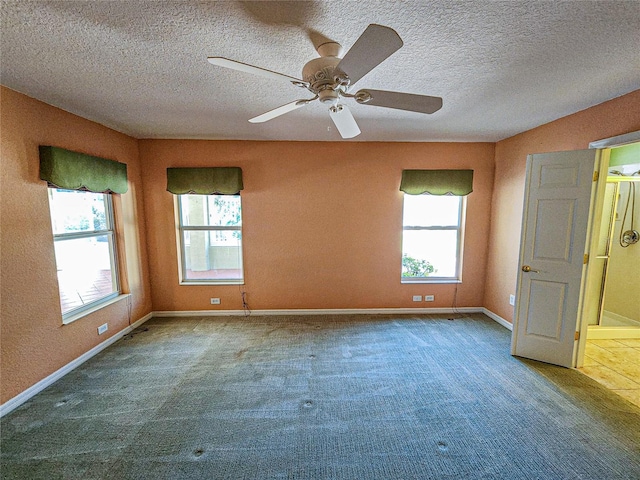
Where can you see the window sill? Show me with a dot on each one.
(94, 308)
(426, 280)
(212, 282)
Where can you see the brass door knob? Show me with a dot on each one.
(527, 269)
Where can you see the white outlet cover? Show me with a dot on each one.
(512, 299)
(417, 298)
(429, 298)
(215, 301)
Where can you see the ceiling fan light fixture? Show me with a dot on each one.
(329, 96)
(344, 121)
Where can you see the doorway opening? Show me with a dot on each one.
(612, 345)
(560, 290)
(618, 254)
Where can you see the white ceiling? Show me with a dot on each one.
(141, 67)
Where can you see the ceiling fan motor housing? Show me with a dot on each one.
(319, 73)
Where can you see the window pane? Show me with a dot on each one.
(210, 210)
(438, 248)
(85, 270)
(431, 210)
(76, 211)
(212, 255)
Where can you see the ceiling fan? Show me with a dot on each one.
(330, 78)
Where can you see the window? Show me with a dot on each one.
(210, 238)
(85, 251)
(432, 238)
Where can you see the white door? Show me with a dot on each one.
(559, 194)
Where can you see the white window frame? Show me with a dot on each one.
(79, 312)
(181, 229)
(459, 247)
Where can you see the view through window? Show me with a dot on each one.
(211, 238)
(85, 250)
(431, 237)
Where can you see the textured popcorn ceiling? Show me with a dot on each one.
(141, 67)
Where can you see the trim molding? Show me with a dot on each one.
(338, 311)
(95, 308)
(596, 332)
(619, 320)
(505, 323)
(21, 398)
(317, 311)
(344, 311)
(616, 141)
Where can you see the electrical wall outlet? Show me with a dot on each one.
(215, 301)
(512, 299)
(429, 298)
(417, 298)
(103, 328)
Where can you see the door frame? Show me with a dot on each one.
(592, 294)
(589, 290)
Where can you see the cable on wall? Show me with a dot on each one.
(454, 303)
(245, 304)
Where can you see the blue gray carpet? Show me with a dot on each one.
(321, 397)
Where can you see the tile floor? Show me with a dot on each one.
(616, 364)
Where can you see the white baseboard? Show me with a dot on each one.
(21, 398)
(596, 332)
(506, 324)
(611, 319)
(344, 311)
(318, 311)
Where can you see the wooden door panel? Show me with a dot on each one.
(554, 176)
(552, 241)
(558, 192)
(547, 304)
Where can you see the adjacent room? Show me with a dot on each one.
(310, 239)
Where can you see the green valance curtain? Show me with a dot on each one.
(78, 171)
(437, 182)
(205, 180)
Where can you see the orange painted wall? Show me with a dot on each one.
(574, 132)
(35, 343)
(322, 223)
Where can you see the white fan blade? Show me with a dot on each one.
(344, 121)
(373, 47)
(263, 72)
(276, 112)
(399, 100)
